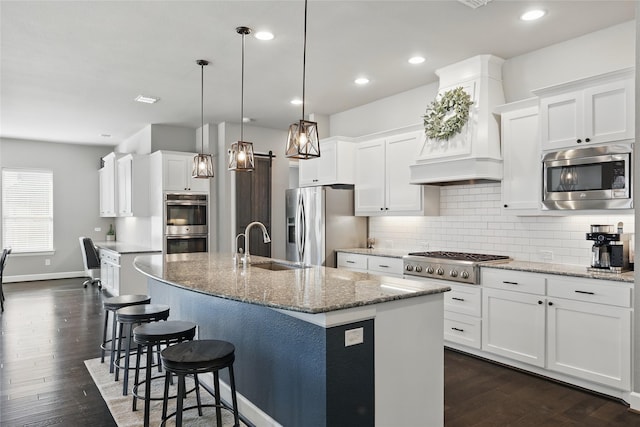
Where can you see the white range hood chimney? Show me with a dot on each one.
(473, 155)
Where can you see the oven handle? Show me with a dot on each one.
(186, 203)
(185, 236)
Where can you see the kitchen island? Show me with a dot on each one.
(315, 346)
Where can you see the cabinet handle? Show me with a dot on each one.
(550, 303)
(539, 302)
(381, 209)
(510, 283)
(506, 206)
(383, 266)
(585, 292)
(457, 299)
(350, 262)
(587, 140)
(579, 141)
(458, 329)
(386, 209)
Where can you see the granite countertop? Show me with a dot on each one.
(390, 253)
(308, 290)
(561, 269)
(125, 248)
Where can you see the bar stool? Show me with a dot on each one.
(127, 317)
(194, 358)
(111, 305)
(153, 334)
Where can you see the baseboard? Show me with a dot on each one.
(44, 276)
(248, 410)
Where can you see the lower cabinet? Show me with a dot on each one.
(462, 308)
(387, 266)
(110, 271)
(118, 275)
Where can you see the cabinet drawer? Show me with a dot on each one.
(464, 300)
(383, 264)
(517, 281)
(589, 290)
(354, 261)
(462, 329)
(109, 256)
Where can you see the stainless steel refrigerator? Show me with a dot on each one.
(319, 221)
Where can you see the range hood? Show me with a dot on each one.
(473, 155)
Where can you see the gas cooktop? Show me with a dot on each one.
(444, 265)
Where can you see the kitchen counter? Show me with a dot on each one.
(562, 269)
(125, 248)
(390, 253)
(314, 346)
(308, 290)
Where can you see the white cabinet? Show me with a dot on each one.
(382, 179)
(119, 276)
(522, 170)
(589, 111)
(133, 185)
(577, 327)
(513, 325)
(108, 181)
(110, 271)
(334, 166)
(176, 172)
(387, 266)
(462, 308)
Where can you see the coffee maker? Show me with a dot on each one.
(610, 250)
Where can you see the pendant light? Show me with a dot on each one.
(202, 163)
(241, 153)
(303, 142)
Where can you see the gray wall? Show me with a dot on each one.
(75, 202)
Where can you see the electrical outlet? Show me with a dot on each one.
(97, 229)
(546, 255)
(353, 337)
(47, 261)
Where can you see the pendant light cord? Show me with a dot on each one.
(304, 57)
(242, 94)
(202, 108)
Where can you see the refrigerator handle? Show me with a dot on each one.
(301, 235)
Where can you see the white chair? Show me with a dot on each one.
(91, 262)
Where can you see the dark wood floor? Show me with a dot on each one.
(49, 328)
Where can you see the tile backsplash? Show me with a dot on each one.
(471, 220)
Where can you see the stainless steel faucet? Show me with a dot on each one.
(236, 258)
(265, 237)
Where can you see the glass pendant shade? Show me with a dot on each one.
(303, 142)
(241, 157)
(202, 166)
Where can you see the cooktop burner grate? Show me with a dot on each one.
(459, 256)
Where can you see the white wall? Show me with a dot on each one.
(263, 140)
(75, 202)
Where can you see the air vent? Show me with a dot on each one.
(474, 4)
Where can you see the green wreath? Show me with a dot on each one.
(446, 115)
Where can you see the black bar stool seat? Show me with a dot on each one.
(148, 336)
(128, 317)
(199, 357)
(112, 304)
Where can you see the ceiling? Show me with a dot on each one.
(70, 70)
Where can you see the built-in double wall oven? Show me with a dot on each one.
(186, 228)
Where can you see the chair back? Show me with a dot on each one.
(3, 259)
(89, 254)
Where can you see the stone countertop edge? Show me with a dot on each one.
(125, 248)
(562, 270)
(389, 253)
(311, 290)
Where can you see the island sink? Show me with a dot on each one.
(277, 266)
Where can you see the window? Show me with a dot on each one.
(27, 210)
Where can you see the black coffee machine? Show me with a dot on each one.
(610, 250)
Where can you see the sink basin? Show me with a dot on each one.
(277, 266)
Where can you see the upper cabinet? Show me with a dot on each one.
(595, 110)
(108, 181)
(334, 166)
(382, 178)
(133, 185)
(176, 168)
(521, 185)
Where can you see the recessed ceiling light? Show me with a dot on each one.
(264, 35)
(296, 101)
(532, 15)
(147, 99)
(361, 81)
(416, 60)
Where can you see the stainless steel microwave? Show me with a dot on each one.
(588, 178)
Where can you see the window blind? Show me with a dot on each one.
(27, 210)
